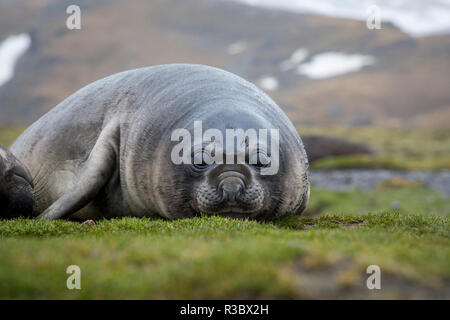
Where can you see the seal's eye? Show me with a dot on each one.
(259, 159)
(202, 159)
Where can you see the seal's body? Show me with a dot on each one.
(16, 187)
(106, 150)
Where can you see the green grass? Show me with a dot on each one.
(415, 199)
(9, 134)
(395, 148)
(213, 257)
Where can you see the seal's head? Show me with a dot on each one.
(217, 145)
(244, 167)
(251, 170)
(16, 187)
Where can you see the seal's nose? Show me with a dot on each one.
(231, 188)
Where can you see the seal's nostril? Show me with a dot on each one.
(231, 187)
(233, 192)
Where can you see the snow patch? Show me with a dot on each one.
(298, 56)
(11, 49)
(268, 83)
(237, 47)
(416, 17)
(330, 64)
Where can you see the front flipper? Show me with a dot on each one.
(93, 176)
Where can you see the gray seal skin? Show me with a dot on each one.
(105, 150)
(16, 187)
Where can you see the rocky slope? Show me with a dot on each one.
(407, 85)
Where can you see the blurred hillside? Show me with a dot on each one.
(407, 85)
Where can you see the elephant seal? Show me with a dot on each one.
(319, 147)
(16, 187)
(107, 150)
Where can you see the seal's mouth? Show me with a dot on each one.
(230, 194)
(234, 215)
(234, 210)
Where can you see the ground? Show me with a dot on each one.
(213, 257)
(324, 254)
